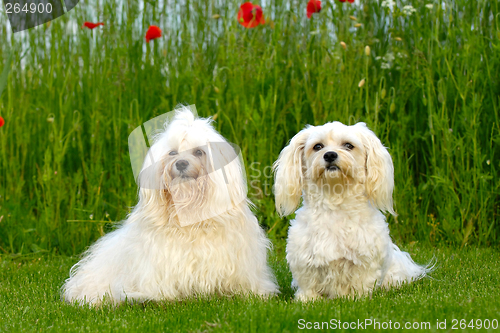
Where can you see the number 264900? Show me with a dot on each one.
(32, 8)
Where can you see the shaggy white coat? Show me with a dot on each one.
(153, 256)
(339, 244)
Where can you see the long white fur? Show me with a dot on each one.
(339, 243)
(151, 256)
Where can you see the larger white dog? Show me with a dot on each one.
(339, 243)
(191, 233)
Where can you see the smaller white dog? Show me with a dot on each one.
(339, 243)
(191, 233)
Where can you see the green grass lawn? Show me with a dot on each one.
(464, 285)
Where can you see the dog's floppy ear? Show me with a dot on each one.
(226, 160)
(379, 182)
(288, 170)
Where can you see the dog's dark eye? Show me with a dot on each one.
(173, 152)
(199, 152)
(318, 146)
(349, 146)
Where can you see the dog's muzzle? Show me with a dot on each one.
(330, 158)
(181, 165)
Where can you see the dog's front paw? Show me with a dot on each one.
(306, 295)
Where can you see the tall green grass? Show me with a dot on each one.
(431, 93)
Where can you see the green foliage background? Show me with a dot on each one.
(431, 93)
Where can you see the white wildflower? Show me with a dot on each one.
(388, 3)
(408, 10)
(429, 5)
(387, 60)
(389, 57)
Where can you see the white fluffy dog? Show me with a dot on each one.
(155, 254)
(339, 243)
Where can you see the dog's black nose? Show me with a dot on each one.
(181, 165)
(330, 156)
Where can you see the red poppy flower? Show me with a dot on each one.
(91, 25)
(2, 122)
(313, 6)
(250, 15)
(152, 33)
